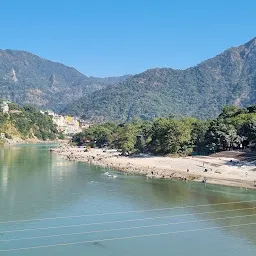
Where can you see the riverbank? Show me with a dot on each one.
(214, 170)
(16, 141)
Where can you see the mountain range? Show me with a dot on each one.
(30, 80)
(200, 91)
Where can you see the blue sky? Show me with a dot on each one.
(108, 38)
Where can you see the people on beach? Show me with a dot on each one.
(169, 167)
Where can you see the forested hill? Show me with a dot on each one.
(200, 91)
(27, 123)
(28, 79)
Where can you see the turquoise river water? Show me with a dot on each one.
(51, 206)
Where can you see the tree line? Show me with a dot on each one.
(234, 128)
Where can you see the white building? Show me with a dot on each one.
(65, 124)
(5, 107)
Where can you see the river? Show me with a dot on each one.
(51, 206)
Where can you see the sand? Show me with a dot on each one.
(214, 170)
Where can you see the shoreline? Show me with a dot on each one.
(220, 171)
(18, 141)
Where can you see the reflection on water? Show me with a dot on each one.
(37, 185)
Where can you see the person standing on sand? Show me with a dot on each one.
(187, 170)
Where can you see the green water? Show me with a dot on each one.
(36, 186)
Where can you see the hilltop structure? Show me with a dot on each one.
(5, 107)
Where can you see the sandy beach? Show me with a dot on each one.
(214, 170)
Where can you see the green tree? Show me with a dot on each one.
(171, 135)
(198, 132)
(248, 132)
(127, 138)
(220, 136)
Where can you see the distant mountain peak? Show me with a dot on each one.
(252, 42)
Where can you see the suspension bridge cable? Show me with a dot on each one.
(122, 221)
(127, 212)
(125, 237)
(128, 228)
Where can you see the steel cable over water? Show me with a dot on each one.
(120, 229)
(126, 237)
(122, 221)
(127, 212)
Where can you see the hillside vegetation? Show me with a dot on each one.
(201, 91)
(27, 123)
(235, 128)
